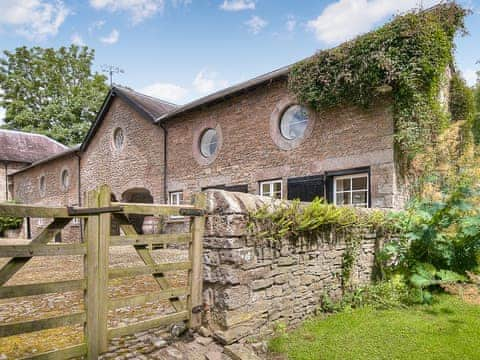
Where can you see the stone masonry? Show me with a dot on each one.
(248, 287)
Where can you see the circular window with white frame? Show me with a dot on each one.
(207, 142)
(118, 138)
(290, 124)
(65, 179)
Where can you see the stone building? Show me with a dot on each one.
(19, 150)
(253, 137)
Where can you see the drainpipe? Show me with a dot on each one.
(165, 137)
(6, 180)
(79, 191)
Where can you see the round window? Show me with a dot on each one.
(65, 179)
(293, 122)
(42, 185)
(209, 143)
(118, 138)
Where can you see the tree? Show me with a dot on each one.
(51, 91)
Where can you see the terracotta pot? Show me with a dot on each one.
(13, 233)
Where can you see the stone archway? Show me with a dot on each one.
(139, 196)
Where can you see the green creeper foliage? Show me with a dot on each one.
(462, 100)
(406, 58)
(51, 91)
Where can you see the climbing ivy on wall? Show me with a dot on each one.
(406, 58)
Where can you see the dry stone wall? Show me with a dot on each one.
(249, 286)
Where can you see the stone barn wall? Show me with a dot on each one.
(342, 138)
(248, 288)
(27, 191)
(138, 164)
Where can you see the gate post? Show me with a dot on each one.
(91, 298)
(104, 197)
(196, 258)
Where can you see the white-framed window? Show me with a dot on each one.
(175, 198)
(272, 188)
(351, 190)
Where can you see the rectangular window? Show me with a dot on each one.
(306, 188)
(351, 190)
(272, 188)
(176, 198)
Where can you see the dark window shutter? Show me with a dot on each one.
(237, 188)
(306, 188)
(215, 187)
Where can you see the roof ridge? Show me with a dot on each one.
(120, 87)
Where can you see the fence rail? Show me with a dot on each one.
(97, 215)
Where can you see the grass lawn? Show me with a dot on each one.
(448, 329)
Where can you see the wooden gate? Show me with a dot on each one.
(97, 215)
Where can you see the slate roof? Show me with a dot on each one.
(18, 146)
(228, 92)
(149, 107)
(68, 151)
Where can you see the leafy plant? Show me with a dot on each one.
(406, 58)
(9, 222)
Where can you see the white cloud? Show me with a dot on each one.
(291, 23)
(77, 39)
(97, 25)
(139, 10)
(165, 91)
(470, 76)
(344, 19)
(208, 81)
(111, 38)
(238, 5)
(34, 19)
(256, 24)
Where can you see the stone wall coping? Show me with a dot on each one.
(221, 202)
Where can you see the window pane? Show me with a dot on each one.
(343, 198)
(359, 183)
(277, 187)
(294, 122)
(208, 143)
(343, 184)
(359, 198)
(265, 190)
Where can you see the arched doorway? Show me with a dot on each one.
(139, 196)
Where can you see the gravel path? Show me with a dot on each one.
(46, 269)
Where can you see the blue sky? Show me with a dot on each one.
(180, 50)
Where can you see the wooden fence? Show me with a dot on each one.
(97, 215)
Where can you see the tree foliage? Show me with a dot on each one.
(407, 58)
(51, 91)
(462, 100)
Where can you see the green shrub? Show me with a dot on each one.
(9, 222)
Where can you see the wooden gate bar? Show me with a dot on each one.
(47, 234)
(41, 324)
(41, 250)
(147, 270)
(41, 288)
(141, 299)
(150, 239)
(147, 324)
(75, 351)
(104, 196)
(196, 257)
(146, 257)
